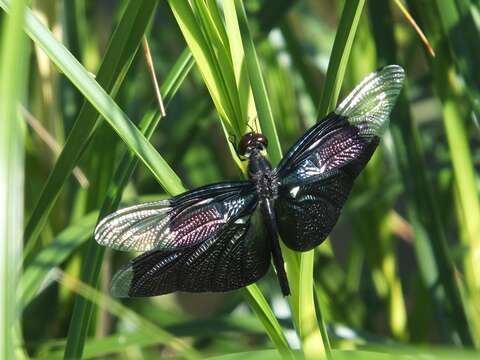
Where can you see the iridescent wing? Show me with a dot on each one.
(233, 257)
(180, 222)
(317, 174)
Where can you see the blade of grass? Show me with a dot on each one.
(417, 29)
(238, 61)
(301, 279)
(449, 92)
(335, 73)
(258, 303)
(201, 49)
(259, 90)
(114, 307)
(93, 261)
(117, 59)
(462, 36)
(340, 55)
(148, 58)
(372, 227)
(217, 39)
(13, 81)
(208, 64)
(51, 256)
(435, 264)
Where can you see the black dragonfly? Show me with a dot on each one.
(221, 237)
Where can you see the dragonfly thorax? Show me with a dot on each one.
(260, 171)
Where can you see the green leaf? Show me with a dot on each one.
(93, 260)
(220, 85)
(337, 64)
(143, 326)
(265, 115)
(258, 354)
(259, 304)
(221, 80)
(118, 57)
(13, 85)
(335, 73)
(464, 311)
(54, 254)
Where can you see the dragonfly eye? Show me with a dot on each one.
(251, 141)
(262, 139)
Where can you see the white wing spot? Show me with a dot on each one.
(242, 220)
(294, 191)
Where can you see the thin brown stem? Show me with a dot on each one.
(151, 68)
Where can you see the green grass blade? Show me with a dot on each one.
(340, 54)
(51, 256)
(259, 304)
(208, 64)
(214, 77)
(299, 59)
(209, 19)
(94, 259)
(254, 355)
(435, 264)
(117, 60)
(238, 62)
(265, 115)
(447, 89)
(463, 39)
(115, 307)
(13, 80)
(336, 69)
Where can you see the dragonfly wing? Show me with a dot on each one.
(180, 222)
(317, 173)
(236, 256)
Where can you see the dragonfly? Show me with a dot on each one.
(224, 236)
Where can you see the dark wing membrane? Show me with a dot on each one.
(180, 222)
(236, 256)
(317, 173)
(309, 204)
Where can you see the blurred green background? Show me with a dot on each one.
(400, 274)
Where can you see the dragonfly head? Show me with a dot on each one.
(252, 142)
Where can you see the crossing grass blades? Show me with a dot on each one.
(221, 237)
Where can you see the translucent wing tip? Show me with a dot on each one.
(122, 282)
(99, 229)
(105, 230)
(132, 228)
(369, 105)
